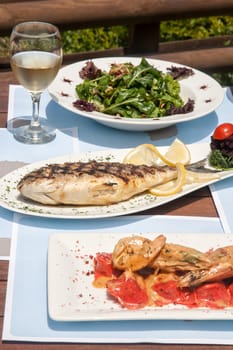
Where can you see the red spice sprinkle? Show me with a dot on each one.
(89, 273)
(67, 80)
(203, 87)
(208, 100)
(64, 94)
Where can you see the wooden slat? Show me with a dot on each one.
(217, 60)
(144, 37)
(2, 297)
(143, 19)
(207, 60)
(86, 13)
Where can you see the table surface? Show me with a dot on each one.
(199, 203)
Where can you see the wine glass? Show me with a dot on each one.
(36, 56)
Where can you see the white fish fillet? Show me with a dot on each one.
(91, 183)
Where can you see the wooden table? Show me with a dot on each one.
(198, 203)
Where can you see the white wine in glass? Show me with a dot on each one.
(36, 56)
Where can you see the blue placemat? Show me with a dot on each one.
(79, 134)
(26, 295)
(27, 287)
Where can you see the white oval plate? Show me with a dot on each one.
(10, 197)
(204, 90)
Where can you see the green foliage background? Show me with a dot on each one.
(112, 37)
(94, 39)
(196, 28)
(105, 38)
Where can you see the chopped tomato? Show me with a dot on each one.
(103, 265)
(223, 131)
(168, 290)
(173, 294)
(213, 295)
(128, 292)
(230, 290)
(188, 298)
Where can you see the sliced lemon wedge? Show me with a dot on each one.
(173, 186)
(178, 152)
(146, 154)
(149, 154)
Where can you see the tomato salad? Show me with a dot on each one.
(165, 279)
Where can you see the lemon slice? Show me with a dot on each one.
(178, 153)
(173, 186)
(194, 177)
(146, 154)
(149, 154)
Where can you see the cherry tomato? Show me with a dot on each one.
(223, 131)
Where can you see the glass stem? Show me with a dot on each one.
(35, 124)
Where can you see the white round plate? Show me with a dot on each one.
(204, 90)
(11, 199)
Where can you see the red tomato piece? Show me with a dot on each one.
(230, 290)
(223, 131)
(168, 290)
(172, 293)
(103, 265)
(188, 298)
(128, 292)
(213, 295)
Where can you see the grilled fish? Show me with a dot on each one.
(91, 183)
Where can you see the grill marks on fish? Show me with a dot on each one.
(98, 169)
(91, 183)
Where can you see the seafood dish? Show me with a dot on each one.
(91, 183)
(141, 272)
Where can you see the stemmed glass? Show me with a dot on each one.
(36, 56)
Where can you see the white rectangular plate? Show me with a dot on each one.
(72, 297)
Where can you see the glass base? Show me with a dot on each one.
(22, 132)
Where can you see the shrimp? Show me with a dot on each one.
(220, 269)
(136, 252)
(175, 257)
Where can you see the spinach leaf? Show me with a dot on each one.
(129, 91)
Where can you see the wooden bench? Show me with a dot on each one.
(143, 19)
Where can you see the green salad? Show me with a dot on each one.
(130, 91)
(221, 155)
(219, 161)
